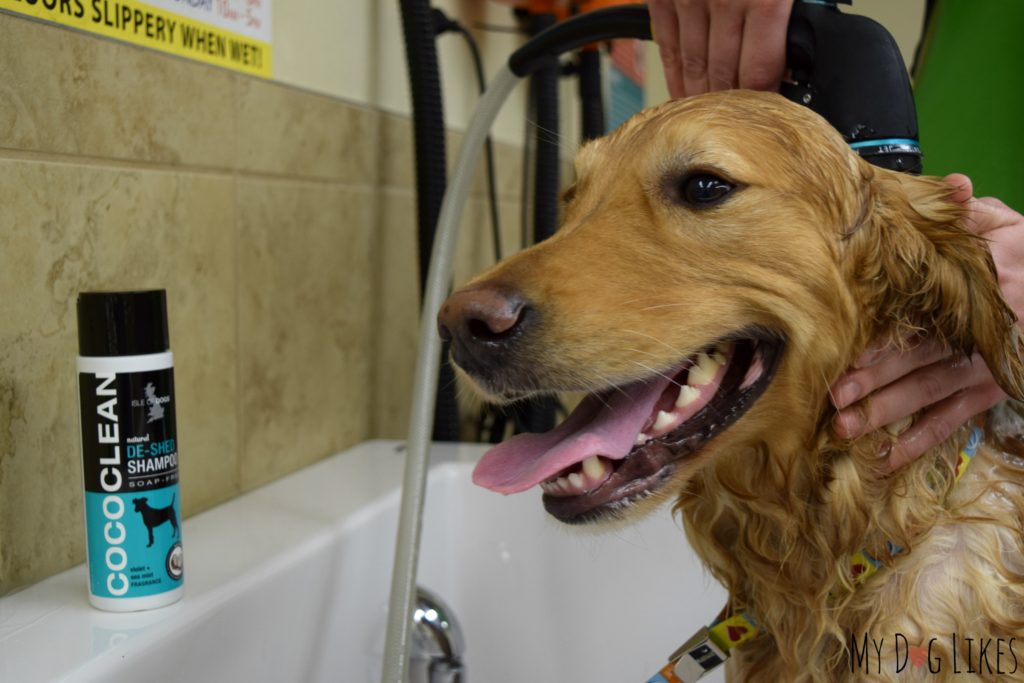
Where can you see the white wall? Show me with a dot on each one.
(354, 49)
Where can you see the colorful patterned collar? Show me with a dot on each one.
(709, 647)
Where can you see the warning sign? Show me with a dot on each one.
(234, 34)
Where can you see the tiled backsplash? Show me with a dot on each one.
(281, 223)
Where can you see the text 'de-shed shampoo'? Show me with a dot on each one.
(129, 450)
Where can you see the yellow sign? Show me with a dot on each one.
(246, 49)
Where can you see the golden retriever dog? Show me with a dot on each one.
(722, 260)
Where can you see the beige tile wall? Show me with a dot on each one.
(397, 289)
(281, 223)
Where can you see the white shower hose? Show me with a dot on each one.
(428, 360)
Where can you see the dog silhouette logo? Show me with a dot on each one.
(154, 517)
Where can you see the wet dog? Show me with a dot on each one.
(722, 260)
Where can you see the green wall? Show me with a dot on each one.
(970, 95)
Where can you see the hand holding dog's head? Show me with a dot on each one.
(919, 270)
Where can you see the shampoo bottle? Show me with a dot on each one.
(129, 450)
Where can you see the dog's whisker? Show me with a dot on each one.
(668, 346)
(630, 302)
(598, 396)
(671, 379)
(552, 136)
(656, 307)
(642, 352)
(613, 386)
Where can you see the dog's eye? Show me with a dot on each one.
(703, 189)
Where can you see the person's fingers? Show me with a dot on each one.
(1003, 229)
(763, 56)
(916, 391)
(987, 214)
(940, 421)
(881, 349)
(981, 217)
(693, 44)
(666, 35)
(721, 44)
(882, 365)
(996, 204)
(724, 40)
(963, 188)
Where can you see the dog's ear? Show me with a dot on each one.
(924, 271)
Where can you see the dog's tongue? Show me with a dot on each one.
(601, 425)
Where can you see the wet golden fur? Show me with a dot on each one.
(832, 252)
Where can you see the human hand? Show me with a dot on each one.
(710, 45)
(949, 389)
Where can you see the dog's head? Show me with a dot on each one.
(722, 259)
(140, 504)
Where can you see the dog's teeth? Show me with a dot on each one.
(711, 363)
(576, 480)
(593, 468)
(640, 439)
(704, 371)
(687, 395)
(663, 420)
(718, 357)
(563, 484)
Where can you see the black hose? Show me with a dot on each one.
(538, 415)
(591, 97)
(428, 122)
(544, 84)
(624, 21)
(492, 190)
(526, 188)
(429, 143)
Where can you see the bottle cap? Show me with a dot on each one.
(122, 323)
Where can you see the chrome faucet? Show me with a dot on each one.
(437, 643)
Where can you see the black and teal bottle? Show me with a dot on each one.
(129, 450)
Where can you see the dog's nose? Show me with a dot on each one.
(483, 316)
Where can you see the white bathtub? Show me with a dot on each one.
(289, 583)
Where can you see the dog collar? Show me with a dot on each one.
(710, 647)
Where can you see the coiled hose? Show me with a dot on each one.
(429, 135)
(591, 99)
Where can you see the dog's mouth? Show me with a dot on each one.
(621, 444)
